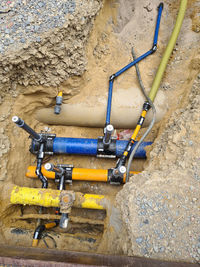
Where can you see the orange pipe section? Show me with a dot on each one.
(81, 174)
(31, 173)
(78, 174)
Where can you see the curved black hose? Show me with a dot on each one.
(151, 124)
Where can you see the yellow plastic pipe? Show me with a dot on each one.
(168, 50)
(78, 174)
(51, 198)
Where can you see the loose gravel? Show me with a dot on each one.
(23, 21)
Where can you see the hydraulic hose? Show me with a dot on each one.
(151, 124)
(160, 72)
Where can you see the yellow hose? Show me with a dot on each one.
(168, 50)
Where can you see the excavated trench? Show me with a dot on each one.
(91, 51)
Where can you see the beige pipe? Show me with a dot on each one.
(126, 109)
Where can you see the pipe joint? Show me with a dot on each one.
(47, 140)
(108, 150)
(112, 77)
(117, 175)
(146, 106)
(154, 48)
(67, 199)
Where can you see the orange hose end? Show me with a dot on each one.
(50, 225)
(35, 242)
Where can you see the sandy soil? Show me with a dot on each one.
(107, 46)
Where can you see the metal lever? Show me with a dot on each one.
(28, 129)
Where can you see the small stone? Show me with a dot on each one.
(162, 249)
(38, 39)
(139, 240)
(41, 4)
(22, 40)
(146, 221)
(156, 209)
(190, 142)
(155, 248)
(7, 31)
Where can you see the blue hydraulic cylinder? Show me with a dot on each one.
(84, 146)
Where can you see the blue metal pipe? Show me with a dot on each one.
(109, 102)
(80, 146)
(84, 146)
(160, 9)
(151, 51)
(133, 63)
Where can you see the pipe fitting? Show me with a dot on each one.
(66, 201)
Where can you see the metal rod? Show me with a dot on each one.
(28, 129)
(160, 9)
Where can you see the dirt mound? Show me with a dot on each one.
(160, 207)
(56, 55)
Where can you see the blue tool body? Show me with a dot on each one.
(84, 146)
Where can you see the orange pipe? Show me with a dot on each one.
(81, 174)
(78, 174)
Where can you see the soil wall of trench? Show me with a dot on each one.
(160, 207)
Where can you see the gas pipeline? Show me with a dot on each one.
(105, 146)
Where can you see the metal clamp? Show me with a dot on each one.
(108, 151)
(116, 175)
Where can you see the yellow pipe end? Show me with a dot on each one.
(92, 202)
(60, 94)
(35, 242)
